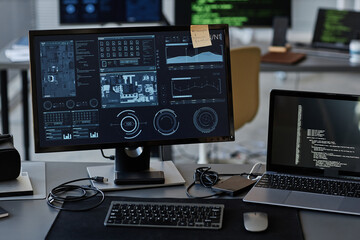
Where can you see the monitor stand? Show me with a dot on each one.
(133, 169)
(132, 166)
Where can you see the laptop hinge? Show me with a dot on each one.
(331, 173)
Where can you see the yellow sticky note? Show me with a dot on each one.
(200, 35)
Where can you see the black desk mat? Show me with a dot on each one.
(284, 223)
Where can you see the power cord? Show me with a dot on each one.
(58, 195)
(252, 170)
(111, 157)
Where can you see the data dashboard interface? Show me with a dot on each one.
(143, 87)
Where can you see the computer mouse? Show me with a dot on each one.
(255, 221)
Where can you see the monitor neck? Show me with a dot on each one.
(132, 159)
(132, 166)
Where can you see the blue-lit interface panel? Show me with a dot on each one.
(114, 88)
(105, 11)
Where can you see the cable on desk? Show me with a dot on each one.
(58, 195)
(111, 157)
(253, 168)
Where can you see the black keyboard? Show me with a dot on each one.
(309, 184)
(165, 215)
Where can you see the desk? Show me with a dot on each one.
(310, 64)
(313, 64)
(5, 65)
(31, 219)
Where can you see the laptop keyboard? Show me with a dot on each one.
(165, 215)
(322, 53)
(309, 184)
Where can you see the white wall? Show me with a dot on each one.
(16, 18)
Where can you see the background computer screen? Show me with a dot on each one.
(233, 13)
(104, 88)
(335, 28)
(105, 11)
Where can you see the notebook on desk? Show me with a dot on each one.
(313, 159)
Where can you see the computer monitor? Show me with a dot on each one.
(250, 13)
(129, 89)
(110, 11)
(335, 29)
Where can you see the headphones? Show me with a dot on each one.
(205, 177)
(10, 161)
(5, 138)
(208, 179)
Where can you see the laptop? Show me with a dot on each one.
(313, 159)
(335, 29)
(332, 41)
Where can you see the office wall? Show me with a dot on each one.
(303, 11)
(16, 18)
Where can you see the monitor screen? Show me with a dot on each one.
(335, 28)
(105, 11)
(125, 88)
(234, 13)
(318, 131)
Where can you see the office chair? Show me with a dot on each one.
(245, 67)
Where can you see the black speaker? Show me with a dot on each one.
(10, 162)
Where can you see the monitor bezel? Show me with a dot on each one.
(61, 148)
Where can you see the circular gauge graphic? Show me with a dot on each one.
(94, 102)
(205, 119)
(70, 104)
(70, 9)
(129, 124)
(90, 8)
(47, 105)
(165, 122)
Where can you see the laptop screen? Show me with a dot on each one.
(316, 131)
(334, 29)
